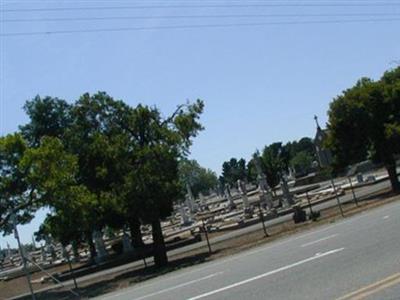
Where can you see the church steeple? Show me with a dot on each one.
(316, 122)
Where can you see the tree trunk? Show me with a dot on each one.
(75, 251)
(159, 250)
(136, 234)
(92, 248)
(392, 172)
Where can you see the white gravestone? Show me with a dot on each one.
(265, 191)
(185, 218)
(99, 244)
(243, 192)
(287, 197)
(126, 243)
(228, 196)
(190, 199)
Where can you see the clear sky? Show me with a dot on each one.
(260, 84)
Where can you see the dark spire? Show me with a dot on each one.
(316, 121)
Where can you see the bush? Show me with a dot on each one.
(299, 215)
(314, 215)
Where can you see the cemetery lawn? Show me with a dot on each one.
(115, 281)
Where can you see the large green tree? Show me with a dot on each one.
(365, 120)
(118, 164)
(233, 170)
(48, 117)
(152, 183)
(34, 177)
(274, 161)
(302, 162)
(53, 172)
(200, 179)
(90, 129)
(17, 196)
(277, 157)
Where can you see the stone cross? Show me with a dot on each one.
(263, 186)
(316, 120)
(228, 196)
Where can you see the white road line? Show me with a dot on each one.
(386, 217)
(317, 256)
(177, 286)
(320, 240)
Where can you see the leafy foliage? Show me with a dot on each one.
(364, 120)
(16, 195)
(301, 162)
(48, 117)
(200, 179)
(233, 170)
(97, 163)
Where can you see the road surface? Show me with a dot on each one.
(356, 258)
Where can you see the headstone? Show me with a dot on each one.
(292, 174)
(43, 255)
(287, 197)
(64, 253)
(190, 199)
(8, 250)
(126, 243)
(24, 250)
(185, 218)
(243, 192)
(99, 244)
(228, 195)
(189, 203)
(75, 252)
(50, 248)
(265, 191)
(360, 178)
(33, 242)
(202, 199)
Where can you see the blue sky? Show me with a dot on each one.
(260, 84)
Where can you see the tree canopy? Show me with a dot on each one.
(233, 170)
(364, 122)
(97, 162)
(200, 179)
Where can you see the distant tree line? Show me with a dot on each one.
(201, 180)
(275, 159)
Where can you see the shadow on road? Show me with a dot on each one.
(123, 280)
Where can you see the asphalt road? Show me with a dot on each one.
(356, 258)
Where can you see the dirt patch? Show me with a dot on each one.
(19, 285)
